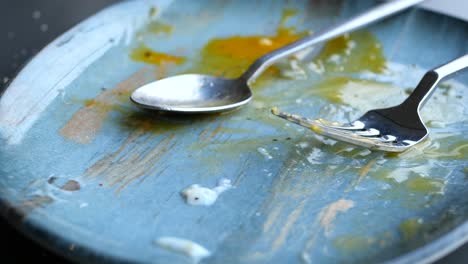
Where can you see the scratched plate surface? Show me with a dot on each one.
(86, 173)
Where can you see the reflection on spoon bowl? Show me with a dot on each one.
(190, 93)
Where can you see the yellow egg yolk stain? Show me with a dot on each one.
(352, 52)
(145, 54)
(247, 48)
(230, 57)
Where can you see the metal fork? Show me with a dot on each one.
(393, 129)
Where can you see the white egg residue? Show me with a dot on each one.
(186, 247)
(199, 195)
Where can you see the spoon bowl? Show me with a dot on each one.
(193, 93)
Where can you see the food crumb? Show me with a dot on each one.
(199, 195)
(265, 153)
(186, 247)
(265, 42)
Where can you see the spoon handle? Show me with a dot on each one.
(428, 83)
(375, 14)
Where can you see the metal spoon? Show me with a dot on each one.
(195, 93)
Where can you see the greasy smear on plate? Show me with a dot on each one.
(413, 180)
(410, 228)
(329, 213)
(87, 121)
(156, 27)
(355, 92)
(353, 52)
(153, 11)
(142, 154)
(425, 185)
(147, 55)
(351, 244)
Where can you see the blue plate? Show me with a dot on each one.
(88, 174)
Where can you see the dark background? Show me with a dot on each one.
(25, 27)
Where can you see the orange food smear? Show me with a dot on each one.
(229, 57)
(249, 47)
(89, 102)
(145, 54)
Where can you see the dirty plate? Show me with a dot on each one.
(85, 172)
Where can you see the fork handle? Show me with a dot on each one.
(431, 79)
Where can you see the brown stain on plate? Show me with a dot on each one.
(328, 214)
(87, 122)
(133, 160)
(32, 203)
(292, 218)
(71, 186)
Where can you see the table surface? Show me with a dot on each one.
(25, 27)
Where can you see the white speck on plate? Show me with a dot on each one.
(314, 156)
(325, 141)
(265, 42)
(295, 72)
(265, 153)
(306, 258)
(186, 247)
(199, 195)
(364, 152)
(436, 124)
(335, 58)
(316, 67)
(83, 205)
(399, 176)
(258, 105)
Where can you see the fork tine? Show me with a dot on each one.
(371, 132)
(385, 143)
(388, 138)
(302, 121)
(356, 125)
